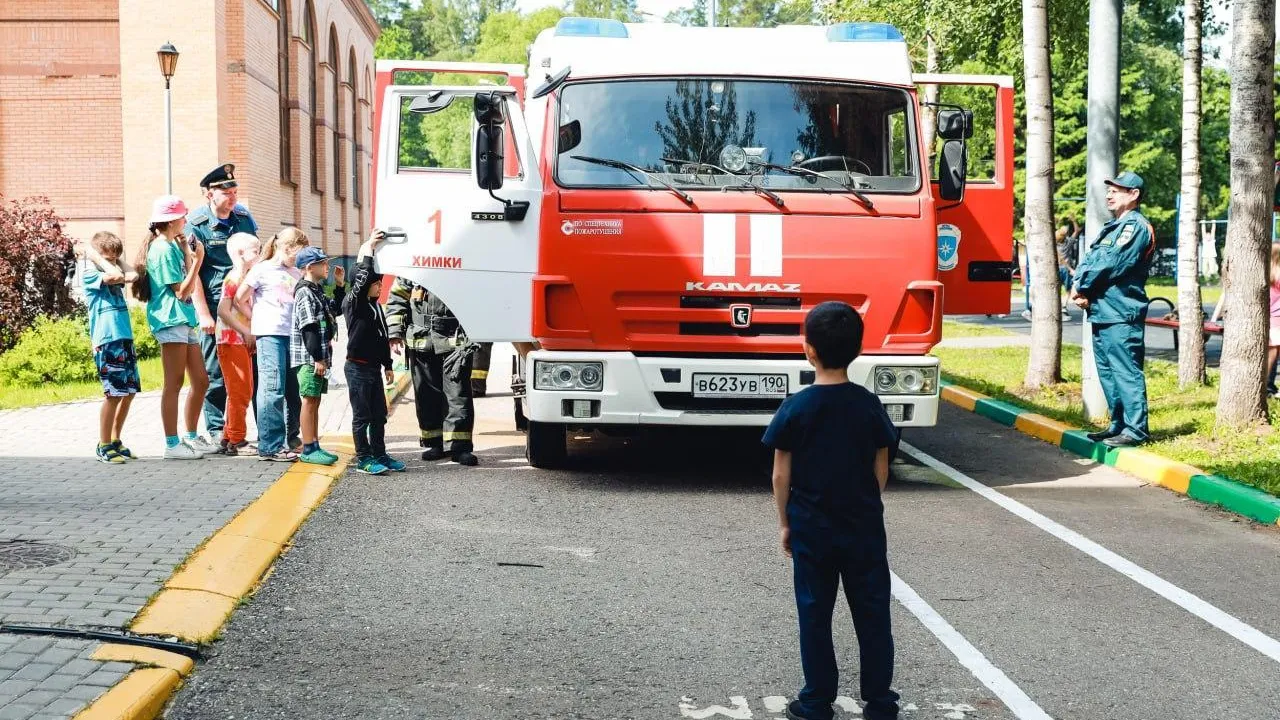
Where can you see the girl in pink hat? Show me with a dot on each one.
(168, 272)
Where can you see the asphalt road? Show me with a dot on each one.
(646, 583)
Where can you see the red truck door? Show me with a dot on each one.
(975, 236)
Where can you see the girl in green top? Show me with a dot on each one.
(169, 271)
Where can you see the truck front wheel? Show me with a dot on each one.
(546, 445)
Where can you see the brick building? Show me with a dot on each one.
(281, 88)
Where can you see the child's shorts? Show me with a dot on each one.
(185, 334)
(117, 368)
(311, 385)
(1274, 339)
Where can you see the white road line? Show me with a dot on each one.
(1010, 694)
(1193, 604)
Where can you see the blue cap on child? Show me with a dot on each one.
(309, 256)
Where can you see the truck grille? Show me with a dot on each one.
(724, 329)
(686, 402)
(720, 302)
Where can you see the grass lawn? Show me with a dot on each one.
(1181, 421)
(13, 397)
(954, 329)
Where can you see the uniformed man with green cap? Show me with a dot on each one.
(1110, 285)
(211, 224)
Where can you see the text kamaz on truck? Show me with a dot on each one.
(662, 211)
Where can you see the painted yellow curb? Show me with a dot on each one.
(228, 565)
(140, 696)
(1042, 427)
(1156, 469)
(117, 652)
(190, 615)
(964, 397)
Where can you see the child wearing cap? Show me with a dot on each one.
(236, 343)
(311, 349)
(112, 340)
(368, 363)
(168, 273)
(266, 295)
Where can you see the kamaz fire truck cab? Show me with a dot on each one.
(659, 214)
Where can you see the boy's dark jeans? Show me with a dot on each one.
(368, 409)
(820, 561)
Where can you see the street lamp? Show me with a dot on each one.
(168, 56)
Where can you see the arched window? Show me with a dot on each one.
(282, 83)
(313, 93)
(356, 135)
(337, 113)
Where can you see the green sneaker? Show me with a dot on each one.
(369, 466)
(122, 450)
(392, 464)
(326, 452)
(317, 457)
(107, 454)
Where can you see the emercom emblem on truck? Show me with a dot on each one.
(753, 287)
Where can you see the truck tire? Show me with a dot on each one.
(546, 445)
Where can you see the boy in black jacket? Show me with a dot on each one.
(368, 363)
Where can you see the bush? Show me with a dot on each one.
(36, 262)
(53, 351)
(144, 344)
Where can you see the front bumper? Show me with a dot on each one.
(658, 391)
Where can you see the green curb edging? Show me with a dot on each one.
(1216, 490)
(1236, 497)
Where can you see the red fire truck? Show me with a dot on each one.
(658, 213)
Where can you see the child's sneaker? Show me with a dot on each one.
(280, 456)
(121, 450)
(228, 448)
(107, 454)
(202, 445)
(326, 452)
(182, 451)
(369, 466)
(317, 457)
(392, 464)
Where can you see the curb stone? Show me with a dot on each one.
(198, 599)
(1177, 476)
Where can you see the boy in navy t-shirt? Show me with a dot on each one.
(831, 462)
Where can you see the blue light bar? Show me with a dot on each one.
(863, 32)
(590, 27)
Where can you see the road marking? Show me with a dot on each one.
(1010, 694)
(740, 710)
(1193, 604)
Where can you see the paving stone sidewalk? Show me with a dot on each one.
(84, 544)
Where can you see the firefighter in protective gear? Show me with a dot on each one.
(439, 357)
(1110, 285)
(480, 370)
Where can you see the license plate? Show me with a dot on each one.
(739, 385)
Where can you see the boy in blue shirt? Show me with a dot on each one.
(831, 462)
(112, 339)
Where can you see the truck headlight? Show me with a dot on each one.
(905, 380)
(578, 376)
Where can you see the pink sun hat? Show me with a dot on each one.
(168, 208)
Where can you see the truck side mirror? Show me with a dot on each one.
(490, 151)
(952, 170)
(955, 124)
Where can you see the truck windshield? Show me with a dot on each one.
(861, 136)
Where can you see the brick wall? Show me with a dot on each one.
(82, 109)
(60, 124)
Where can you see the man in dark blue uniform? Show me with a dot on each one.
(1110, 285)
(211, 224)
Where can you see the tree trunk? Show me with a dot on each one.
(930, 120)
(1190, 307)
(1242, 397)
(1045, 364)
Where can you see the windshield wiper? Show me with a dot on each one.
(773, 196)
(793, 170)
(644, 175)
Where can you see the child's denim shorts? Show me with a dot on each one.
(177, 334)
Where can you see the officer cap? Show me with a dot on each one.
(222, 177)
(1127, 181)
